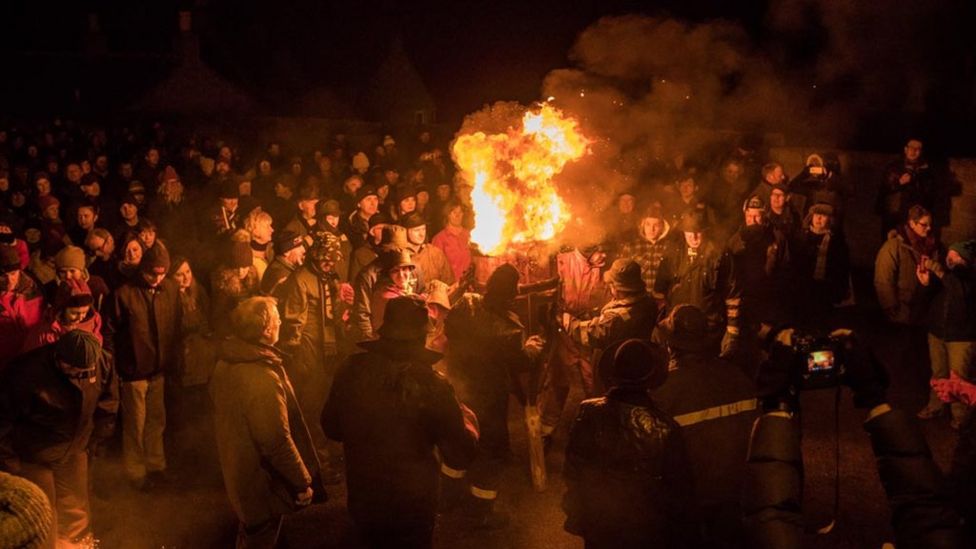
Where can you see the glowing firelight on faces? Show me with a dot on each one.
(513, 195)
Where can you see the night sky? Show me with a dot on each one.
(473, 53)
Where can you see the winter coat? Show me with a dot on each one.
(619, 320)
(759, 278)
(199, 348)
(716, 420)
(311, 318)
(50, 329)
(20, 311)
(649, 254)
(628, 481)
(693, 279)
(900, 295)
(277, 273)
(485, 346)
(581, 285)
(142, 329)
(894, 199)
(46, 415)
(263, 443)
(363, 256)
(952, 313)
(390, 410)
(826, 286)
(432, 264)
(457, 248)
(366, 280)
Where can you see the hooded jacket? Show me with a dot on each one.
(50, 329)
(649, 254)
(261, 435)
(20, 311)
(900, 295)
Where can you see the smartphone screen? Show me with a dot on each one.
(819, 361)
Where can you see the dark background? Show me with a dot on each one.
(472, 53)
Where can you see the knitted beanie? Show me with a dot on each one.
(70, 257)
(26, 517)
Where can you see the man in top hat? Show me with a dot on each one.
(628, 480)
(142, 330)
(631, 313)
(716, 419)
(55, 402)
(391, 410)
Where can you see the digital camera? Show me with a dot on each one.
(819, 361)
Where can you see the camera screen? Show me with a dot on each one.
(818, 361)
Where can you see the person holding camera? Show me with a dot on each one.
(907, 181)
(951, 323)
(921, 509)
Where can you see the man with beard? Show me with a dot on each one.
(486, 342)
(690, 275)
(312, 335)
(952, 322)
(758, 284)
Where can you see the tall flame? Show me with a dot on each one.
(512, 173)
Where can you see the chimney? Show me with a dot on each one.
(187, 44)
(95, 42)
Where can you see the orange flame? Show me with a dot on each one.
(513, 195)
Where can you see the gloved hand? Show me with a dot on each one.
(533, 346)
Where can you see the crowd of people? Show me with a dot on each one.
(320, 313)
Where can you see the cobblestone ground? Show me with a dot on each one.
(197, 515)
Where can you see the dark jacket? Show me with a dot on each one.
(390, 410)
(683, 278)
(759, 279)
(142, 328)
(716, 420)
(261, 436)
(366, 280)
(952, 312)
(628, 481)
(45, 415)
(275, 275)
(311, 317)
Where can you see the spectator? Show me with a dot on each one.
(258, 226)
(455, 240)
(329, 219)
(822, 267)
(233, 281)
(367, 205)
(262, 440)
(951, 324)
(55, 403)
(142, 330)
(72, 309)
(907, 182)
(391, 411)
(431, 261)
(21, 305)
(654, 241)
(289, 255)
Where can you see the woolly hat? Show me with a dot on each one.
(239, 255)
(136, 187)
(70, 257)
(966, 250)
(625, 275)
(155, 260)
(754, 202)
(360, 162)
(327, 207)
(364, 191)
(79, 349)
(639, 363)
(129, 199)
(47, 201)
(26, 516)
(9, 259)
(413, 220)
(168, 173)
(73, 293)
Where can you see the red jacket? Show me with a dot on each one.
(51, 329)
(20, 310)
